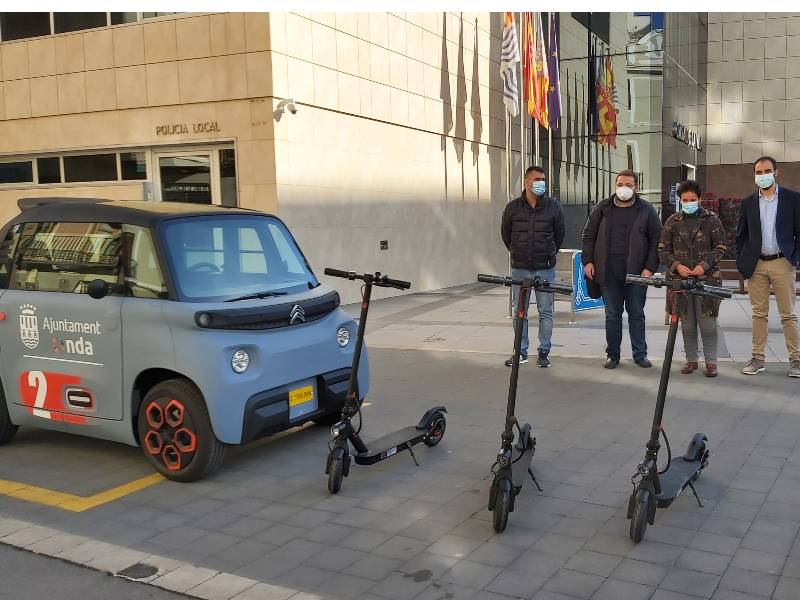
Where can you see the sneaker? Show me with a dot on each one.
(544, 362)
(794, 368)
(611, 363)
(755, 365)
(643, 362)
(523, 358)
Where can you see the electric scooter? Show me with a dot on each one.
(513, 461)
(653, 488)
(430, 429)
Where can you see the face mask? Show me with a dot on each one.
(766, 180)
(539, 188)
(690, 207)
(624, 193)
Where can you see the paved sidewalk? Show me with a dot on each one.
(264, 526)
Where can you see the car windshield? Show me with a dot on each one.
(223, 257)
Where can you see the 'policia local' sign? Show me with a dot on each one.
(688, 136)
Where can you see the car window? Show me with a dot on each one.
(223, 257)
(7, 249)
(65, 257)
(144, 277)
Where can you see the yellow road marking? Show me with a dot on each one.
(72, 502)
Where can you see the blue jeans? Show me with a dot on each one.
(544, 304)
(617, 293)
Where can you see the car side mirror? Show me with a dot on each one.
(98, 288)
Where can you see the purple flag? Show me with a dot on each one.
(554, 92)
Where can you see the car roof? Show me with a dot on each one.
(131, 212)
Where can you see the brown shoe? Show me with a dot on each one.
(689, 367)
(711, 370)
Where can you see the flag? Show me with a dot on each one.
(592, 119)
(509, 57)
(528, 67)
(606, 100)
(554, 93)
(541, 76)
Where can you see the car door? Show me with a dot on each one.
(61, 349)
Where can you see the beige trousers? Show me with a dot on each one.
(780, 274)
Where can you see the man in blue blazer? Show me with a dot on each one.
(767, 251)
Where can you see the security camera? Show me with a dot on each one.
(288, 104)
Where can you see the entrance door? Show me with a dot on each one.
(187, 177)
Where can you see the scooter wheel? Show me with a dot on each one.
(502, 506)
(336, 471)
(641, 508)
(436, 429)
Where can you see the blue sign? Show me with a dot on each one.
(580, 298)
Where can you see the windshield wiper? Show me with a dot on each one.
(256, 296)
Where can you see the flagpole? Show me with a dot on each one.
(550, 129)
(522, 128)
(589, 117)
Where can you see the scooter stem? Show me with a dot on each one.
(512, 388)
(679, 301)
(351, 402)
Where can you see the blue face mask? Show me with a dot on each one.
(690, 207)
(539, 188)
(765, 180)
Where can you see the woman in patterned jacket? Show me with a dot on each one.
(692, 244)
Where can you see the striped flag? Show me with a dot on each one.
(554, 93)
(509, 57)
(541, 75)
(528, 67)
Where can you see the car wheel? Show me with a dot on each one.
(7, 428)
(176, 434)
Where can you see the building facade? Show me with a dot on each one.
(380, 138)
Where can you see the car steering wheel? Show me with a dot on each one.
(204, 265)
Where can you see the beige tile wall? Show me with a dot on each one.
(182, 59)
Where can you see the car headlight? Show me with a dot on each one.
(343, 336)
(240, 361)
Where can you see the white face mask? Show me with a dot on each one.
(624, 193)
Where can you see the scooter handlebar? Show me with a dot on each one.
(374, 278)
(339, 273)
(691, 285)
(540, 285)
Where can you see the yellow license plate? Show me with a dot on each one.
(301, 395)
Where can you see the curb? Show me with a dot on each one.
(151, 569)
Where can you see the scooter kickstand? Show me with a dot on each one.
(694, 491)
(411, 451)
(530, 472)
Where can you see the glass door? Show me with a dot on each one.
(187, 177)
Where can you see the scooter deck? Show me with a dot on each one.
(680, 474)
(390, 444)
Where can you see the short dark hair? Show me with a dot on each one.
(690, 186)
(628, 173)
(533, 168)
(770, 159)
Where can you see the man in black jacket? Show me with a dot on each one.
(621, 237)
(533, 231)
(767, 251)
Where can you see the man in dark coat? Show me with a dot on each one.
(767, 251)
(620, 238)
(533, 230)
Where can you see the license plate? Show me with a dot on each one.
(301, 395)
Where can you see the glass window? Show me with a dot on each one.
(66, 257)
(186, 178)
(223, 257)
(151, 15)
(7, 250)
(90, 167)
(227, 176)
(17, 26)
(118, 18)
(49, 169)
(16, 172)
(133, 165)
(144, 276)
(75, 21)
